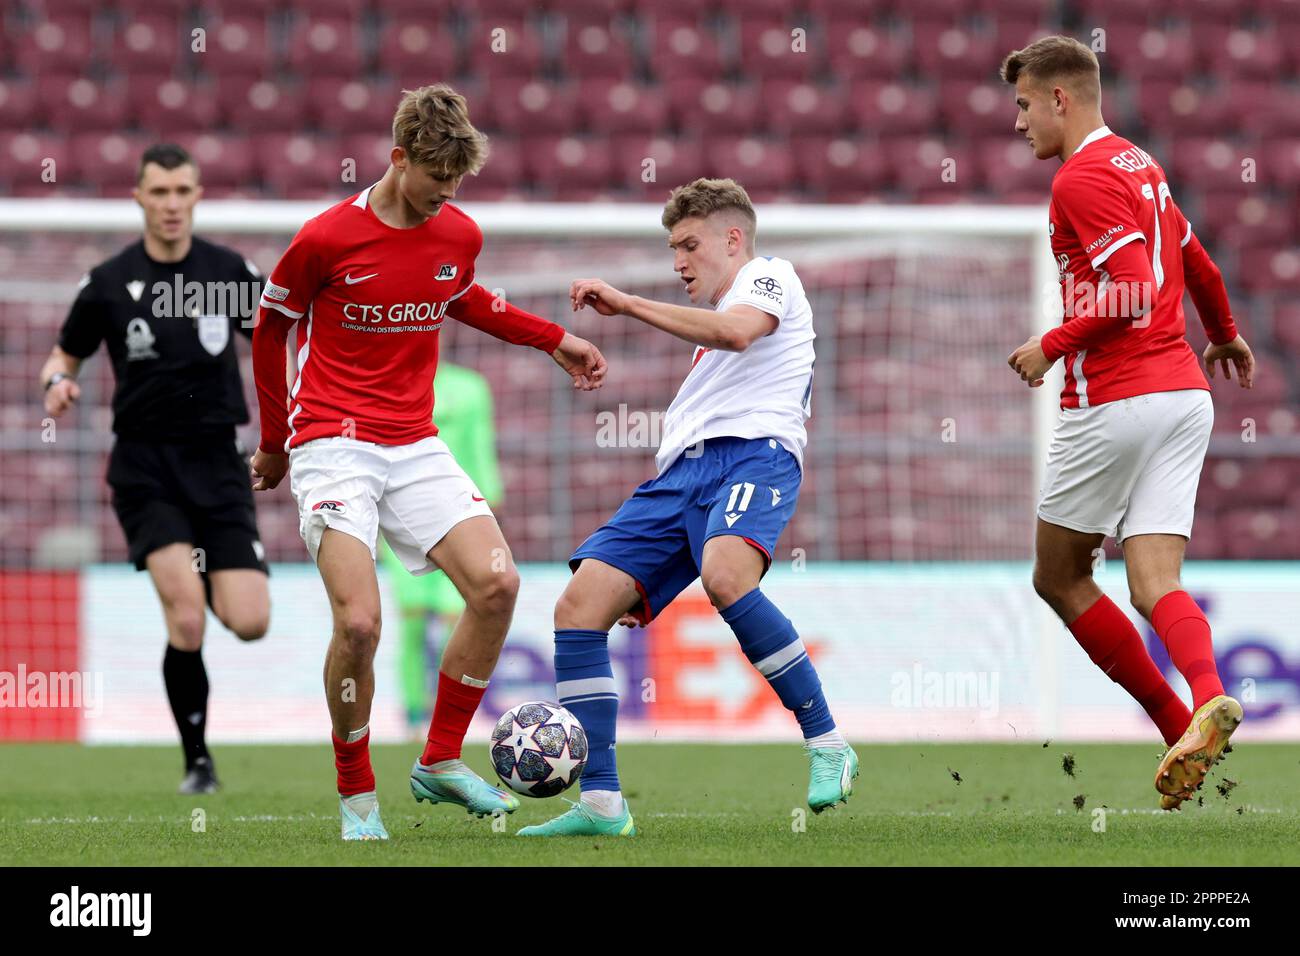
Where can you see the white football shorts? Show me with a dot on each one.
(1128, 467)
(414, 493)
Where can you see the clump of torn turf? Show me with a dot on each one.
(1067, 764)
(1225, 787)
(1079, 800)
(955, 775)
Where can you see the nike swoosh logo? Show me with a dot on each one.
(477, 498)
(351, 281)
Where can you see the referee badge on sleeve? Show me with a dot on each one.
(214, 333)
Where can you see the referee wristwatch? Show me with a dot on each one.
(55, 379)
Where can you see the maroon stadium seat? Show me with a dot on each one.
(79, 103)
(340, 105)
(165, 105)
(224, 159)
(1269, 268)
(300, 166)
(890, 108)
(1151, 52)
(858, 49)
(920, 162)
(596, 49)
(1015, 33)
(723, 108)
(522, 57)
(414, 10)
(840, 169)
(1208, 163)
(949, 51)
(767, 50)
(525, 107)
(622, 107)
(846, 11)
(978, 107)
(761, 164)
(501, 178)
(1242, 53)
(237, 45)
(1008, 165)
(797, 109)
(415, 47)
(257, 105)
(54, 45)
(322, 46)
(563, 166)
(18, 103)
(677, 160)
(681, 48)
(149, 43)
(108, 161)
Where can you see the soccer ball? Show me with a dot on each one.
(538, 749)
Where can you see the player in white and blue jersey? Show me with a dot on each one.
(730, 466)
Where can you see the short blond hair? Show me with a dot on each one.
(1056, 59)
(704, 197)
(432, 125)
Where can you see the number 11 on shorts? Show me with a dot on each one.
(735, 494)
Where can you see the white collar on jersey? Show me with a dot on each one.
(363, 196)
(1092, 137)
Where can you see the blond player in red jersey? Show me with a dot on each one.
(369, 282)
(1127, 452)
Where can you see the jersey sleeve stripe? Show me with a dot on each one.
(268, 304)
(1105, 254)
(461, 292)
(1187, 238)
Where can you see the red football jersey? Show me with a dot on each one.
(369, 299)
(1108, 194)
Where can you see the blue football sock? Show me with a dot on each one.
(773, 646)
(584, 683)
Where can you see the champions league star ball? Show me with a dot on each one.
(538, 749)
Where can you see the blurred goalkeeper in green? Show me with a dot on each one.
(464, 413)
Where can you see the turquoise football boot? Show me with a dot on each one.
(356, 828)
(455, 783)
(580, 821)
(832, 773)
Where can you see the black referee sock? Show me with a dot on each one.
(187, 691)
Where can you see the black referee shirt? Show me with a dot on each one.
(170, 328)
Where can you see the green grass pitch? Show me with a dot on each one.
(66, 804)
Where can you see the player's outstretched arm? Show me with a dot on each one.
(1227, 348)
(482, 310)
(734, 330)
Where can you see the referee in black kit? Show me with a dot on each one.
(167, 307)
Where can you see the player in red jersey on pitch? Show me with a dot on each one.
(1127, 452)
(369, 282)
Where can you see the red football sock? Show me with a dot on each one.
(1113, 643)
(1181, 624)
(352, 761)
(452, 712)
